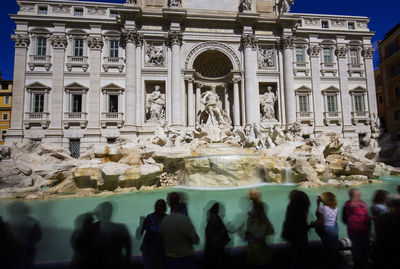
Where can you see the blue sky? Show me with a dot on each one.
(384, 15)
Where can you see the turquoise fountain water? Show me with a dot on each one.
(57, 216)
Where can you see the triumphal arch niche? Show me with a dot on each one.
(213, 76)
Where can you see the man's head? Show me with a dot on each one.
(269, 89)
(355, 195)
(157, 88)
(255, 195)
(160, 206)
(173, 199)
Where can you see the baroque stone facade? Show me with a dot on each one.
(88, 73)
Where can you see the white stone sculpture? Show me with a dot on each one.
(277, 135)
(266, 58)
(156, 105)
(268, 105)
(131, 2)
(213, 114)
(154, 55)
(285, 5)
(245, 5)
(293, 132)
(175, 3)
(160, 136)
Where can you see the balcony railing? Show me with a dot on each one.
(113, 62)
(333, 117)
(77, 61)
(303, 67)
(329, 68)
(39, 60)
(75, 118)
(305, 117)
(36, 118)
(356, 68)
(360, 116)
(112, 118)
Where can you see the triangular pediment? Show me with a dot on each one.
(75, 86)
(112, 86)
(37, 85)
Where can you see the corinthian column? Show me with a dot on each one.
(59, 43)
(17, 115)
(367, 53)
(236, 102)
(132, 38)
(318, 100)
(286, 44)
(250, 79)
(175, 41)
(95, 44)
(341, 53)
(191, 104)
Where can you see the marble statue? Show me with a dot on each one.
(268, 105)
(154, 55)
(156, 105)
(245, 5)
(213, 114)
(266, 58)
(160, 136)
(293, 132)
(175, 3)
(285, 5)
(131, 2)
(278, 135)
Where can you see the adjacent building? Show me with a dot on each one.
(5, 107)
(388, 82)
(88, 72)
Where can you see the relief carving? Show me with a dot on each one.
(154, 55)
(266, 58)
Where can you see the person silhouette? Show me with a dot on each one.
(217, 237)
(26, 231)
(112, 242)
(152, 247)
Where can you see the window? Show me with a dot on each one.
(352, 26)
(78, 11)
(394, 70)
(354, 59)
(113, 14)
(114, 47)
(380, 98)
(393, 47)
(359, 103)
(78, 47)
(76, 103)
(111, 140)
(42, 10)
(331, 102)
(3, 135)
(75, 148)
(38, 102)
(303, 103)
(41, 45)
(397, 92)
(325, 24)
(299, 55)
(113, 103)
(4, 86)
(5, 116)
(327, 52)
(6, 100)
(379, 81)
(397, 115)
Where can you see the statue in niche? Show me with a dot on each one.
(154, 56)
(156, 105)
(175, 3)
(245, 5)
(268, 105)
(266, 58)
(213, 114)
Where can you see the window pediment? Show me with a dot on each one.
(76, 87)
(37, 86)
(112, 88)
(358, 90)
(331, 89)
(303, 89)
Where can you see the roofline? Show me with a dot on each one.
(73, 2)
(391, 32)
(331, 15)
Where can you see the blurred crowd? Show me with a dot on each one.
(169, 239)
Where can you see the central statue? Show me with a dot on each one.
(213, 114)
(156, 105)
(268, 105)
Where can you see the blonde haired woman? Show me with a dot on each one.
(326, 225)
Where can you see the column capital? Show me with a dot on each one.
(59, 41)
(21, 41)
(249, 41)
(341, 51)
(175, 3)
(286, 42)
(95, 43)
(236, 79)
(174, 38)
(132, 36)
(198, 84)
(367, 52)
(314, 50)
